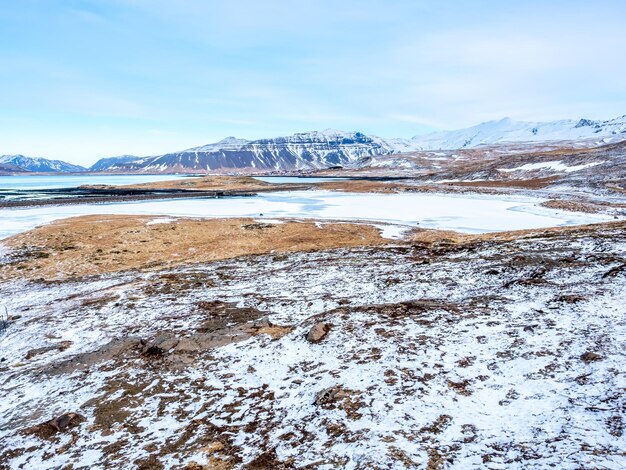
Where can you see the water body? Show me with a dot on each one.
(295, 179)
(464, 213)
(20, 182)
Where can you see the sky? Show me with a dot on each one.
(84, 79)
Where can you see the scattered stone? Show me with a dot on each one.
(615, 426)
(187, 346)
(62, 346)
(275, 331)
(38, 351)
(460, 387)
(466, 361)
(262, 322)
(614, 271)
(318, 332)
(590, 356)
(257, 226)
(330, 395)
(570, 298)
(160, 345)
(438, 426)
(215, 447)
(149, 463)
(56, 425)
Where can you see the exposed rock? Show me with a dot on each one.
(590, 356)
(38, 351)
(330, 395)
(62, 346)
(257, 226)
(160, 345)
(318, 332)
(274, 331)
(59, 424)
(187, 345)
(570, 299)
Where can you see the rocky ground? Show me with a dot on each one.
(598, 170)
(443, 351)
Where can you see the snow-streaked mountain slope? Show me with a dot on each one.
(36, 164)
(323, 149)
(309, 150)
(107, 163)
(508, 130)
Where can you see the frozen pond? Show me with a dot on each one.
(296, 179)
(73, 181)
(465, 213)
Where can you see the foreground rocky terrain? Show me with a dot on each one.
(439, 351)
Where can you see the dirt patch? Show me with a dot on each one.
(572, 206)
(107, 244)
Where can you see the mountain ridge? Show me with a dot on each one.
(21, 163)
(331, 147)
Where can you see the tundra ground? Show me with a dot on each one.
(501, 351)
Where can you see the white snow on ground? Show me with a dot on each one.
(556, 166)
(465, 213)
(395, 232)
(161, 220)
(490, 375)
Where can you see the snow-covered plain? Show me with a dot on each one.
(465, 213)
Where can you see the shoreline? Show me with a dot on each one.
(117, 195)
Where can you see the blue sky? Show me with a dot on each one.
(82, 79)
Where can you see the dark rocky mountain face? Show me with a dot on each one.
(297, 152)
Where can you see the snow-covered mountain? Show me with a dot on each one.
(43, 165)
(507, 130)
(111, 162)
(323, 149)
(310, 150)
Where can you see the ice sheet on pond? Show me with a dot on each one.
(464, 213)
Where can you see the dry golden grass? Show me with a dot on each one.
(97, 244)
(93, 244)
(427, 236)
(205, 183)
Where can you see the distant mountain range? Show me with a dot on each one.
(297, 152)
(324, 149)
(509, 131)
(22, 164)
